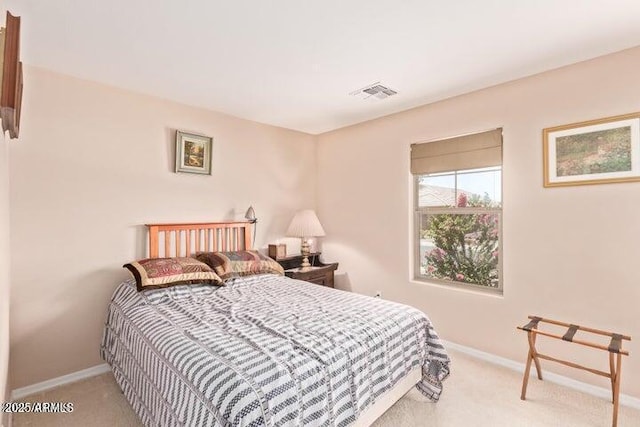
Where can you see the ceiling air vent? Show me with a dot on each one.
(375, 91)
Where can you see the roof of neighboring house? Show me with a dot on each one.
(432, 195)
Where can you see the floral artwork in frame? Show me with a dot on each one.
(193, 153)
(593, 152)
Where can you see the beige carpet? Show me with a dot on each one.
(476, 394)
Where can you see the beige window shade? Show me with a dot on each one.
(479, 150)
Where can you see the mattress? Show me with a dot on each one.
(264, 350)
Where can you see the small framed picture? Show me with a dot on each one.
(193, 153)
(593, 152)
(278, 251)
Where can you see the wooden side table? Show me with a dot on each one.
(319, 273)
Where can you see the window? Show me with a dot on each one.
(458, 210)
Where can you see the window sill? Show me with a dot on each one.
(495, 293)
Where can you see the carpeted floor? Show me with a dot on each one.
(476, 394)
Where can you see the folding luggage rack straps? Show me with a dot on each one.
(614, 348)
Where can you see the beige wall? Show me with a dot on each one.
(94, 163)
(569, 253)
(4, 266)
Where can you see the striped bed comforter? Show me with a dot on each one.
(264, 351)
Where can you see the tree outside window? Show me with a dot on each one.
(459, 228)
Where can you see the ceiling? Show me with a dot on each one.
(293, 63)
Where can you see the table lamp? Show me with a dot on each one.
(305, 224)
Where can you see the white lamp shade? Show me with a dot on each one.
(305, 224)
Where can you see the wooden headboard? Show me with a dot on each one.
(182, 240)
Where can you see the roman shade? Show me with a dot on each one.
(478, 150)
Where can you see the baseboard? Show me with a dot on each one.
(19, 393)
(593, 390)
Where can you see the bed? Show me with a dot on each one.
(264, 349)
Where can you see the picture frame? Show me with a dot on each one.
(11, 80)
(193, 153)
(592, 152)
(278, 251)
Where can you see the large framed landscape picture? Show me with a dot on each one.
(193, 153)
(593, 152)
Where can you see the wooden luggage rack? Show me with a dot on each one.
(615, 354)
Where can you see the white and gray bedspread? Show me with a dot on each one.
(264, 351)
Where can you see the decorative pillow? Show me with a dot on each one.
(153, 273)
(239, 263)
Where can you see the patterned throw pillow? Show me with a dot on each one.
(239, 263)
(153, 273)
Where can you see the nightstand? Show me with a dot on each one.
(319, 273)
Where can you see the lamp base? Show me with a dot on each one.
(304, 250)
